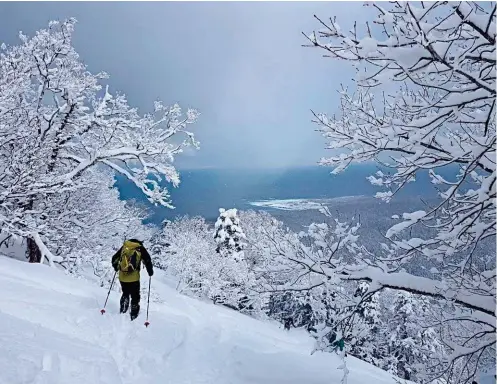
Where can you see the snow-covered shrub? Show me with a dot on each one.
(187, 249)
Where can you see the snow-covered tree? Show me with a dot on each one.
(230, 244)
(92, 225)
(408, 339)
(424, 99)
(229, 236)
(57, 122)
(367, 328)
(401, 343)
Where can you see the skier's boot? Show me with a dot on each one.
(135, 309)
(124, 304)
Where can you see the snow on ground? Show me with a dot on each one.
(301, 204)
(51, 332)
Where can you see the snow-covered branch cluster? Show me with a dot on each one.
(57, 123)
(325, 281)
(442, 56)
(307, 274)
(424, 100)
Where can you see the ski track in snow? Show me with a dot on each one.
(51, 332)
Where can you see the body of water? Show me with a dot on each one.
(203, 192)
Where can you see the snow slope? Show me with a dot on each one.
(51, 332)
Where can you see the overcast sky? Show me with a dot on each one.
(240, 64)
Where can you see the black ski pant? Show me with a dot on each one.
(131, 290)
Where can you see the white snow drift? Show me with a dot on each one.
(51, 332)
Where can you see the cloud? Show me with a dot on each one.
(241, 64)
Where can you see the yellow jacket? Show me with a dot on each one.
(129, 277)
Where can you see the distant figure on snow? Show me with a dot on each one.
(289, 323)
(128, 261)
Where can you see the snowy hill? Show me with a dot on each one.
(51, 332)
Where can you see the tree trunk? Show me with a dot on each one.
(33, 252)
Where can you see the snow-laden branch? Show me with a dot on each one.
(58, 122)
(420, 285)
(441, 114)
(45, 252)
(424, 100)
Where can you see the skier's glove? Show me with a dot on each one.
(151, 272)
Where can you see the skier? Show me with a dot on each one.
(128, 261)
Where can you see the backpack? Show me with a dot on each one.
(130, 257)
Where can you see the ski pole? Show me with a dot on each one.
(102, 311)
(148, 300)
